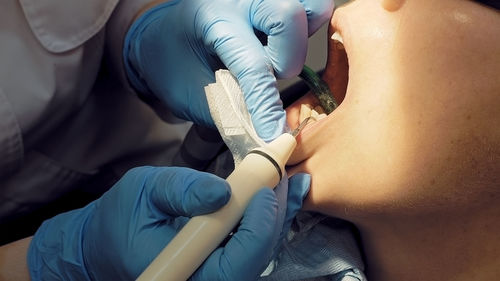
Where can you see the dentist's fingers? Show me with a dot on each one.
(185, 192)
(285, 24)
(241, 51)
(318, 12)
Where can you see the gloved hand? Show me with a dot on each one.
(118, 235)
(173, 49)
(290, 194)
(288, 198)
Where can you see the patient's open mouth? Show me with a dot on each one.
(336, 72)
(336, 77)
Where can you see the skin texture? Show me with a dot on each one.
(13, 260)
(392, 5)
(412, 155)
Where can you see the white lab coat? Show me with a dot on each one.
(63, 116)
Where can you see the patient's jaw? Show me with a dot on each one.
(418, 130)
(412, 155)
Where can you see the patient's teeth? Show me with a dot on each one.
(314, 115)
(339, 42)
(321, 116)
(336, 36)
(305, 111)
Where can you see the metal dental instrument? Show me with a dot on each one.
(261, 167)
(301, 126)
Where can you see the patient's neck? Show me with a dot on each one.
(453, 248)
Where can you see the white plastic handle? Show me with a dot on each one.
(203, 234)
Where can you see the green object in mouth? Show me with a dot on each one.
(319, 88)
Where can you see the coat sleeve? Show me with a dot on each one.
(117, 28)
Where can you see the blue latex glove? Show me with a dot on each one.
(172, 51)
(118, 235)
(290, 194)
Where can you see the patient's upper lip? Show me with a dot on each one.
(339, 24)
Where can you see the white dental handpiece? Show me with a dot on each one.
(262, 167)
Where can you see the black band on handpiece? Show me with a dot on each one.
(265, 155)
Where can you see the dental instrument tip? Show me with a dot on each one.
(301, 126)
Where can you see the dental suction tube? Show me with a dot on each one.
(262, 167)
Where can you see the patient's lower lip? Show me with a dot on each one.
(311, 125)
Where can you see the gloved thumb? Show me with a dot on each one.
(185, 192)
(298, 187)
